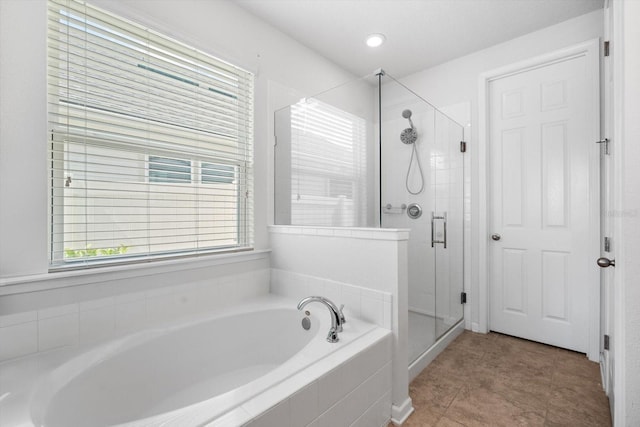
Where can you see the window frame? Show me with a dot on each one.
(242, 181)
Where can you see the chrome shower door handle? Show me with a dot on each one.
(444, 217)
(433, 239)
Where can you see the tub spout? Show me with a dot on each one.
(337, 318)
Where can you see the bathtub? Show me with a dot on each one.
(212, 370)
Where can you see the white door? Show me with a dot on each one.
(543, 184)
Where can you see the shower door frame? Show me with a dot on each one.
(590, 49)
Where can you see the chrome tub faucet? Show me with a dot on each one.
(337, 317)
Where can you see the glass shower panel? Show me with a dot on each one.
(324, 157)
(408, 199)
(447, 168)
(372, 152)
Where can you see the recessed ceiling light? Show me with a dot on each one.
(375, 40)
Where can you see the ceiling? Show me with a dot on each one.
(420, 33)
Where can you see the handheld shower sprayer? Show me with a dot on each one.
(409, 136)
(407, 115)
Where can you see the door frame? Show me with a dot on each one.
(590, 50)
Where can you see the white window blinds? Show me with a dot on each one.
(150, 145)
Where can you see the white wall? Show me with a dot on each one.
(457, 81)
(627, 84)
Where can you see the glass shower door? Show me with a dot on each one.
(422, 190)
(448, 221)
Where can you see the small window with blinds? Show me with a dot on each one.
(150, 145)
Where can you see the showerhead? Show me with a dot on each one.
(409, 135)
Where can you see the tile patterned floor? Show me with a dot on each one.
(497, 380)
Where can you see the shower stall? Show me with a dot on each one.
(372, 153)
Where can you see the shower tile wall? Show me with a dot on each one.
(366, 304)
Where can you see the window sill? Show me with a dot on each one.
(77, 277)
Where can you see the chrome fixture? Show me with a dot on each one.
(407, 115)
(390, 209)
(337, 318)
(496, 237)
(414, 211)
(409, 136)
(606, 262)
(443, 217)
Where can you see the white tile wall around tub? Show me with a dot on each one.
(366, 304)
(100, 319)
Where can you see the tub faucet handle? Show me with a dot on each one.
(342, 318)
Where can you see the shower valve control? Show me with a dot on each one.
(414, 211)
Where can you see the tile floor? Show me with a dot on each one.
(498, 380)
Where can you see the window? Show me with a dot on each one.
(150, 145)
(213, 173)
(162, 169)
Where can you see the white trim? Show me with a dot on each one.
(391, 234)
(617, 397)
(399, 414)
(63, 279)
(589, 49)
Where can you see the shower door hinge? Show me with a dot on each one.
(606, 342)
(463, 298)
(606, 48)
(607, 244)
(463, 147)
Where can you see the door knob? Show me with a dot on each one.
(606, 262)
(495, 237)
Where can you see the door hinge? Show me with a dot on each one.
(604, 141)
(607, 48)
(463, 298)
(463, 147)
(606, 342)
(607, 244)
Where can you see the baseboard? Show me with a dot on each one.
(399, 414)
